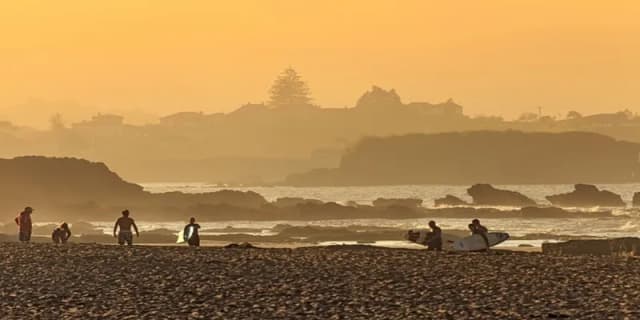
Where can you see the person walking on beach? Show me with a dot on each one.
(61, 234)
(476, 228)
(191, 235)
(434, 238)
(23, 220)
(125, 223)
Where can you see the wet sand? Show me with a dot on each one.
(82, 281)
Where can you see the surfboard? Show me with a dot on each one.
(190, 232)
(476, 242)
(180, 236)
(419, 236)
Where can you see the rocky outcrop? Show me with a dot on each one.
(68, 189)
(487, 195)
(407, 203)
(609, 247)
(586, 195)
(499, 157)
(449, 200)
(636, 199)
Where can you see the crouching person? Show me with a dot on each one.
(61, 234)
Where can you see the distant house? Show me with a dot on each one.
(448, 108)
(249, 109)
(183, 119)
(101, 121)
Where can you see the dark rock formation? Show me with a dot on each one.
(242, 245)
(450, 200)
(68, 189)
(636, 199)
(407, 203)
(586, 195)
(57, 198)
(485, 194)
(501, 157)
(613, 247)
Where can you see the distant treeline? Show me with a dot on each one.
(263, 143)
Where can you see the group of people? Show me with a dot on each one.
(125, 226)
(122, 230)
(60, 234)
(434, 238)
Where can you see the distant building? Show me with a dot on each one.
(448, 108)
(100, 126)
(183, 119)
(101, 121)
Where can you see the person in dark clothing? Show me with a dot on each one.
(23, 220)
(476, 228)
(61, 234)
(434, 238)
(191, 235)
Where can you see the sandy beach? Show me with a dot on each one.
(44, 281)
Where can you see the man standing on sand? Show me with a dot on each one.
(434, 238)
(125, 223)
(23, 220)
(191, 235)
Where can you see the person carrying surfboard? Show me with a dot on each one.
(23, 220)
(125, 223)
(434, 238)
(476, 228)
(191, 235)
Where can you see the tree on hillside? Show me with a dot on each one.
(289, 90)
(528, 117)
(379, 98)
(57, 123)
(574, 115)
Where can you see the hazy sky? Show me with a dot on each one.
(493, 57)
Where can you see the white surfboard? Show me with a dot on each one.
(190, 232)
(180, 236)
(419, 236)
(476, 242)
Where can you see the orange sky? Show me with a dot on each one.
(161, 56)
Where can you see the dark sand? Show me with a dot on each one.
(43, 281)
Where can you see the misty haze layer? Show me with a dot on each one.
(263, 144)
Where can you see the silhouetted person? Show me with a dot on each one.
(476, 228)
(434, 238)
(125, 223)
(23, 220)
(61, 234)
(194, 240)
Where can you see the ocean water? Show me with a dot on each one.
(367, 194)
(607, 227)
(549, 229)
